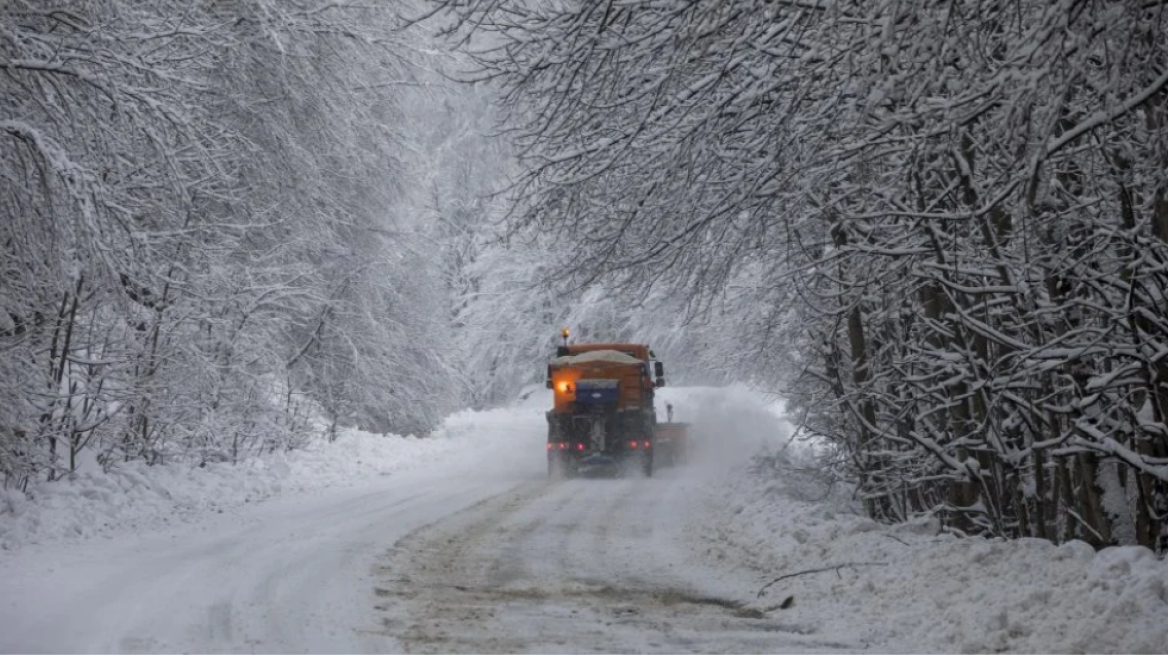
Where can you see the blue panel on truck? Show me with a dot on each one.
(597, 391)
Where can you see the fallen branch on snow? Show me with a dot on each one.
(817, 570)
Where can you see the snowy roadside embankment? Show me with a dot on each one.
(135, 496)
(913, 585)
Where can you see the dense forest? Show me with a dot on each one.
(210, 240)
(942, 225)
(940, 229)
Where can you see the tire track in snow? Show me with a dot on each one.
(580, 566)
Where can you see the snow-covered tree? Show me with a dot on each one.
(950, 215)
(203, 243)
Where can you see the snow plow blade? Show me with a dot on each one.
(671, 442)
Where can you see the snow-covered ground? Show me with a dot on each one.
(210, 565)
(138, 497)
(458, 543)
(912, 586)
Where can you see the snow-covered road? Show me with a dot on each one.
(476, 551)
(292, 575)
(460, 544)
(606, 566)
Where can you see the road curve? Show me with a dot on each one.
(478, 553)
(293, 575)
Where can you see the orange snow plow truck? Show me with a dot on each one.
(603, 419)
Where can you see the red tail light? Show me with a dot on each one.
(632, 445)
(550, 446)
(579, 446)
(648, 444)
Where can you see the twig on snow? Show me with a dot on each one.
(817, 570)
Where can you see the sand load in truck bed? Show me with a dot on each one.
(615, 357)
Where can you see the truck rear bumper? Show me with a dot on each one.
(569, 463)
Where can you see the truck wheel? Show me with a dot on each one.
(647, 467)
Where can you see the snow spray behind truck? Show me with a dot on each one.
(603, 418)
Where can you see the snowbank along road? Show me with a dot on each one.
(473, 550)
